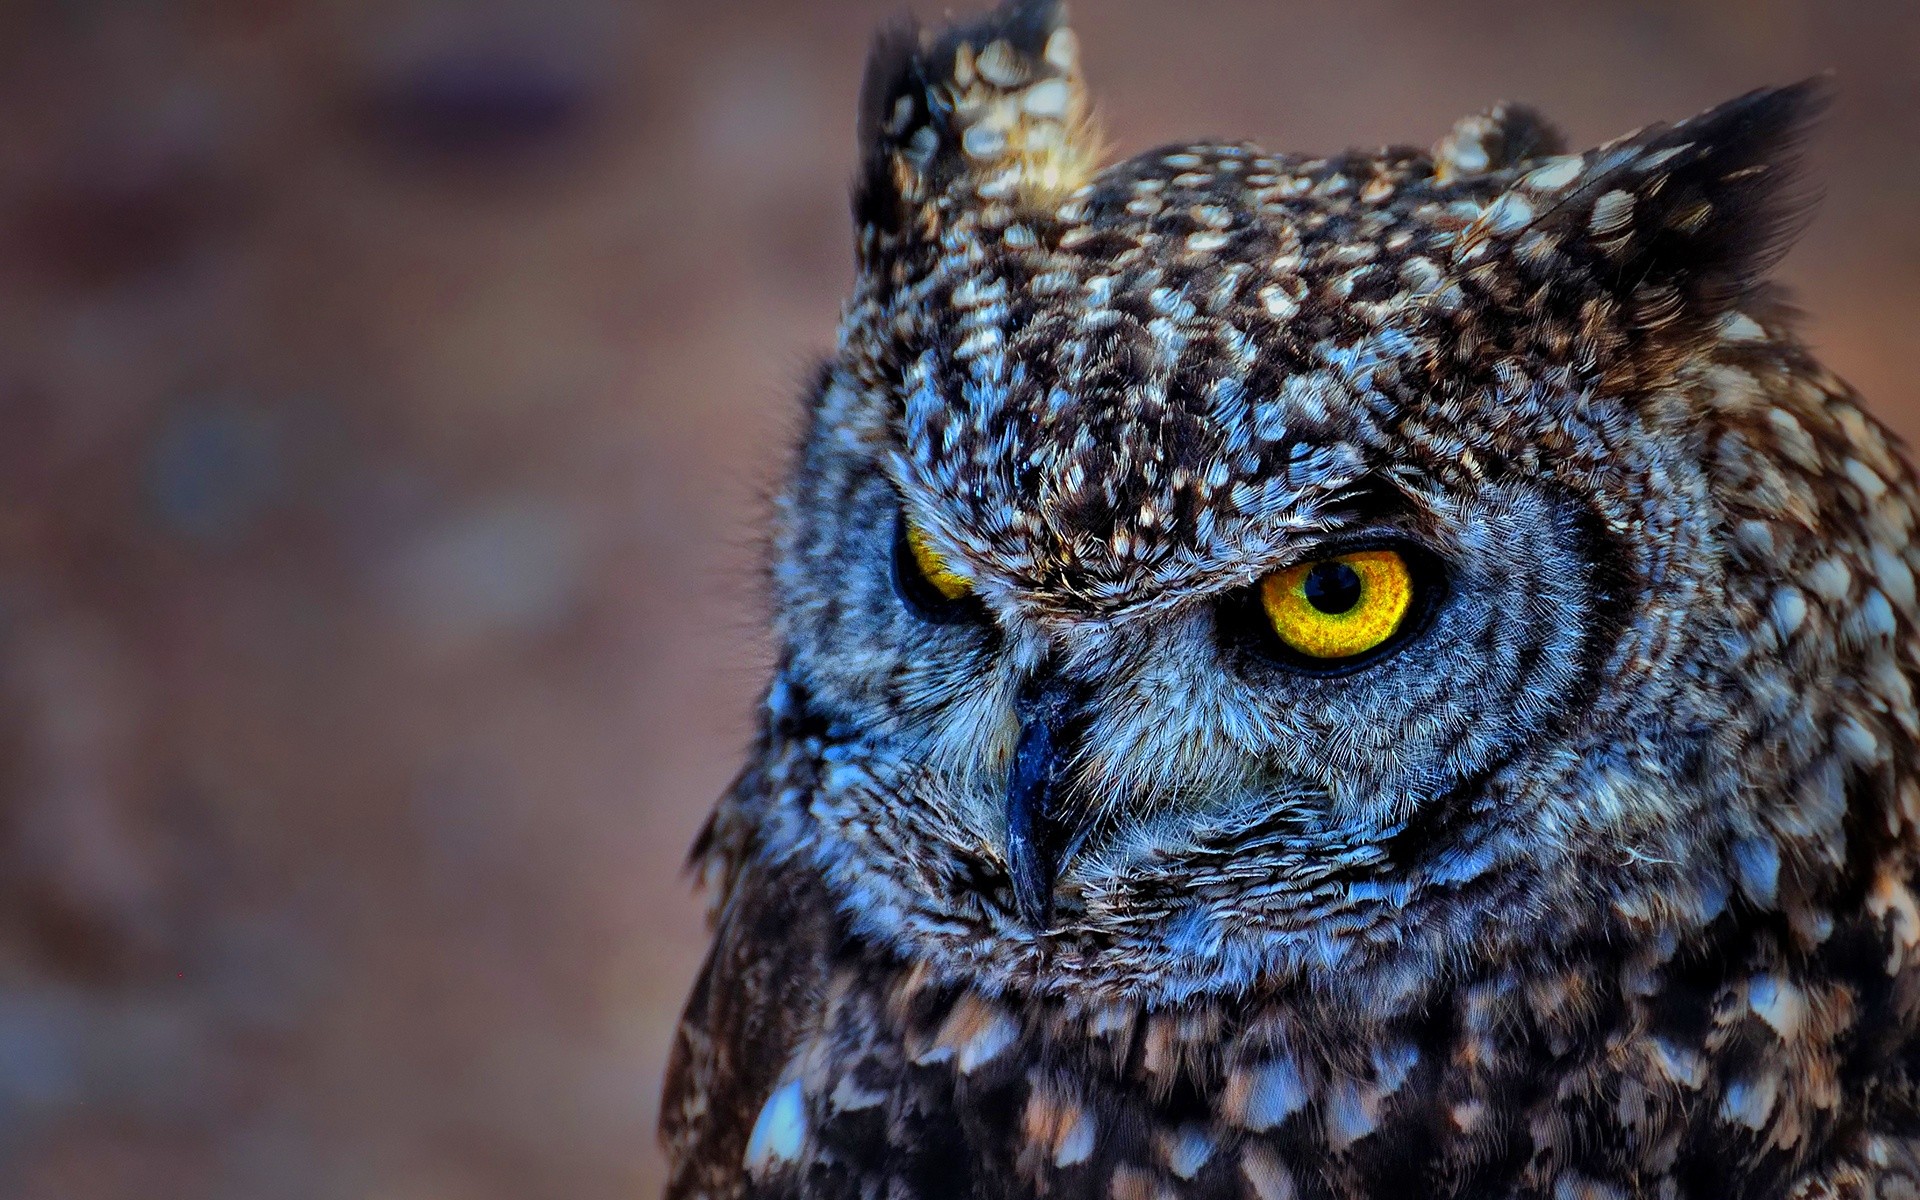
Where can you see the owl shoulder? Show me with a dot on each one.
(756, 1000)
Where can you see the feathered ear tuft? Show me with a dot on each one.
(1503, 136)
(1673, 226)
(991, 112)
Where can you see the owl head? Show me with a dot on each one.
(1224, 567)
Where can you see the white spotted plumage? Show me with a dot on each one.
(1597, 882)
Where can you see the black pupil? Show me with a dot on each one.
(1332, 587)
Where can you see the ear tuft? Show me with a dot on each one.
(1502, 136)
(993, 111)
(1709, 206)
(1675, 224)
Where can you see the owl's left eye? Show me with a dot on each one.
(926, 583)
(1339, 607)
(1338, 612)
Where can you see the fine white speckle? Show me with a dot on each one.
(1611, 213)
(1275, 1091)
(984, 141)
(1789, 611)
(921, 146)
(1190, 1151)
(995, 1034)
(1048, 98)
(979, 342)
(1739, 327)
(1062, 49)
(1755, 537)
(963, 73)
(999, 65)
(1895, 577)
(850, 1096)
(1076, 1144)
(1829, 579)
(1863, 476)
(1793, 437)
(902, 113)
(1856, 741)
(1508, 214)
(1757, 860)
(1876, 615)
(1778, 1002)
(1653, 160)
(781, 1129)
(1266, 1174)
(1351, 1114)
(1277, 302)
(1554, 174)
(1749, 1102)
(979, 291)
(1420, 275)
(1893, 903)
(1680, 1064)
(1572, 1186)
(1469, 158)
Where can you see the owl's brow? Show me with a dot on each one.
(1371, 498)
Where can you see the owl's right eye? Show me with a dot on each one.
(926, 583)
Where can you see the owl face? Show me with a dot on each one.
(1228, 566)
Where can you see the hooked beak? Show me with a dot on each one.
(1040, 829)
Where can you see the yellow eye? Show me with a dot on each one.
(1339, 607)
(942, 578)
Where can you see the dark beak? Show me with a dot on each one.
(1040, 829)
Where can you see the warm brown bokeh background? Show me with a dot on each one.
(387, 391)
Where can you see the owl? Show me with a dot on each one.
(1385, 675)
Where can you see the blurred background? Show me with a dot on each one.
(389, 390)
